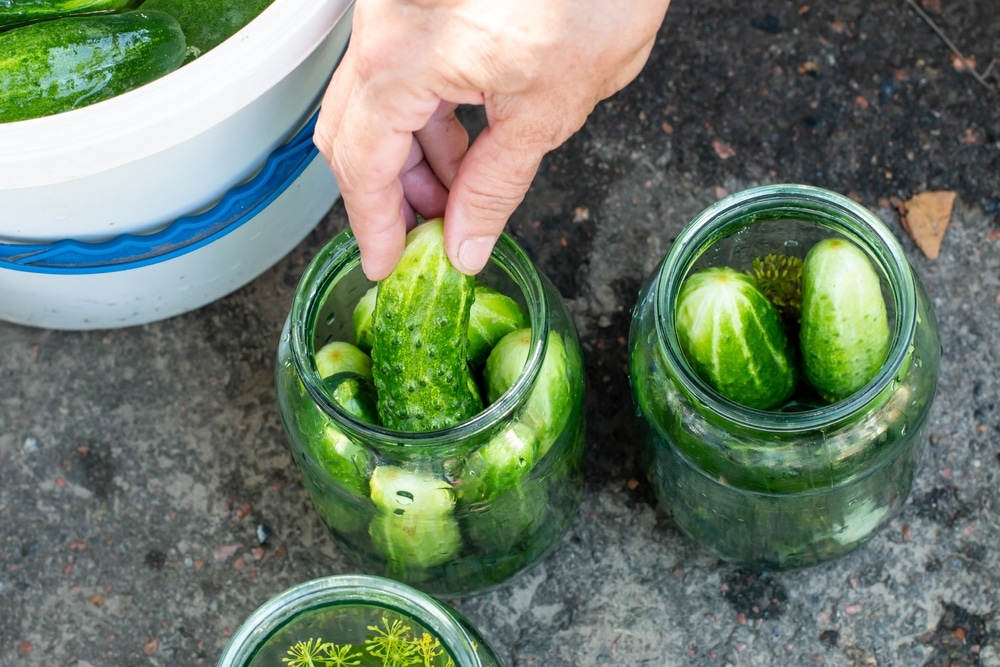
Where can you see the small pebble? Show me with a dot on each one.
(30, 445)
(225, 552)
(263, 533)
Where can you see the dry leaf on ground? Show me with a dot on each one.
(925, 217)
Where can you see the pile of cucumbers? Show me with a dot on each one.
(815, 328)
(432, 348)
(59, 55)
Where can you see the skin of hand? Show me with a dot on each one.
(388, 129)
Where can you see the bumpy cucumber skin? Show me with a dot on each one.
(208, 23)
(493, 315)
(844, 336)
(17, 12)
(733, 336)
(67, 63)
(419, 352)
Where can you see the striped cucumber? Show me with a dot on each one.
(734, 338)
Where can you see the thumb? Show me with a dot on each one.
(492, 180)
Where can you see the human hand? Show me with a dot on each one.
(388, 128)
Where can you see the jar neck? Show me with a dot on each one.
(840, 215)
(357, 590)
(340, 258)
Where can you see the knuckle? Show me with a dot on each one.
(494, 199)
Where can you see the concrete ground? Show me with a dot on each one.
(137, 464)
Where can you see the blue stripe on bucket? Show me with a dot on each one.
(184, 235)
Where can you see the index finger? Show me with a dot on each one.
(365, 131)
(365, 161)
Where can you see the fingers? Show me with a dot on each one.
(422, 189)
(368, 174)
(444, 141)
(491, 182)
(365, 134)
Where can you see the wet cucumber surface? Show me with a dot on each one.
(59, 55)
(67, 63)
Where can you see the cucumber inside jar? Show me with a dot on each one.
(788, 326)
(443, 348)
(811, 475)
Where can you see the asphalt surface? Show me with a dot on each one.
(136, 464)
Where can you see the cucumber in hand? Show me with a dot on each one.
(492, 316)
(419, 341)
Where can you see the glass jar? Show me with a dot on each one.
(808, 482)
(356, 620)
(455, 511)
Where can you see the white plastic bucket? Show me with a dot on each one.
(87, 196)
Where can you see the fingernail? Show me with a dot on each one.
(474, 253)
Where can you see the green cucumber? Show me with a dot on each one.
(17, 12)
(493, 315)
(734, 338)
(347, 379)
(498, 465)
(67, 63)
(500, 503)
(414, 526)
(550, 402)
(364, 320)
(419, 353)
(340, 357)
(344, 461)
(355, 394)
(208, 23)
(844, 338)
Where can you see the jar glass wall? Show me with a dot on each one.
(454, 511)
(356, 620)
(809, 481)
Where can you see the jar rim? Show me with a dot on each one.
(354, 589)
(812, 204)
(341, 256)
